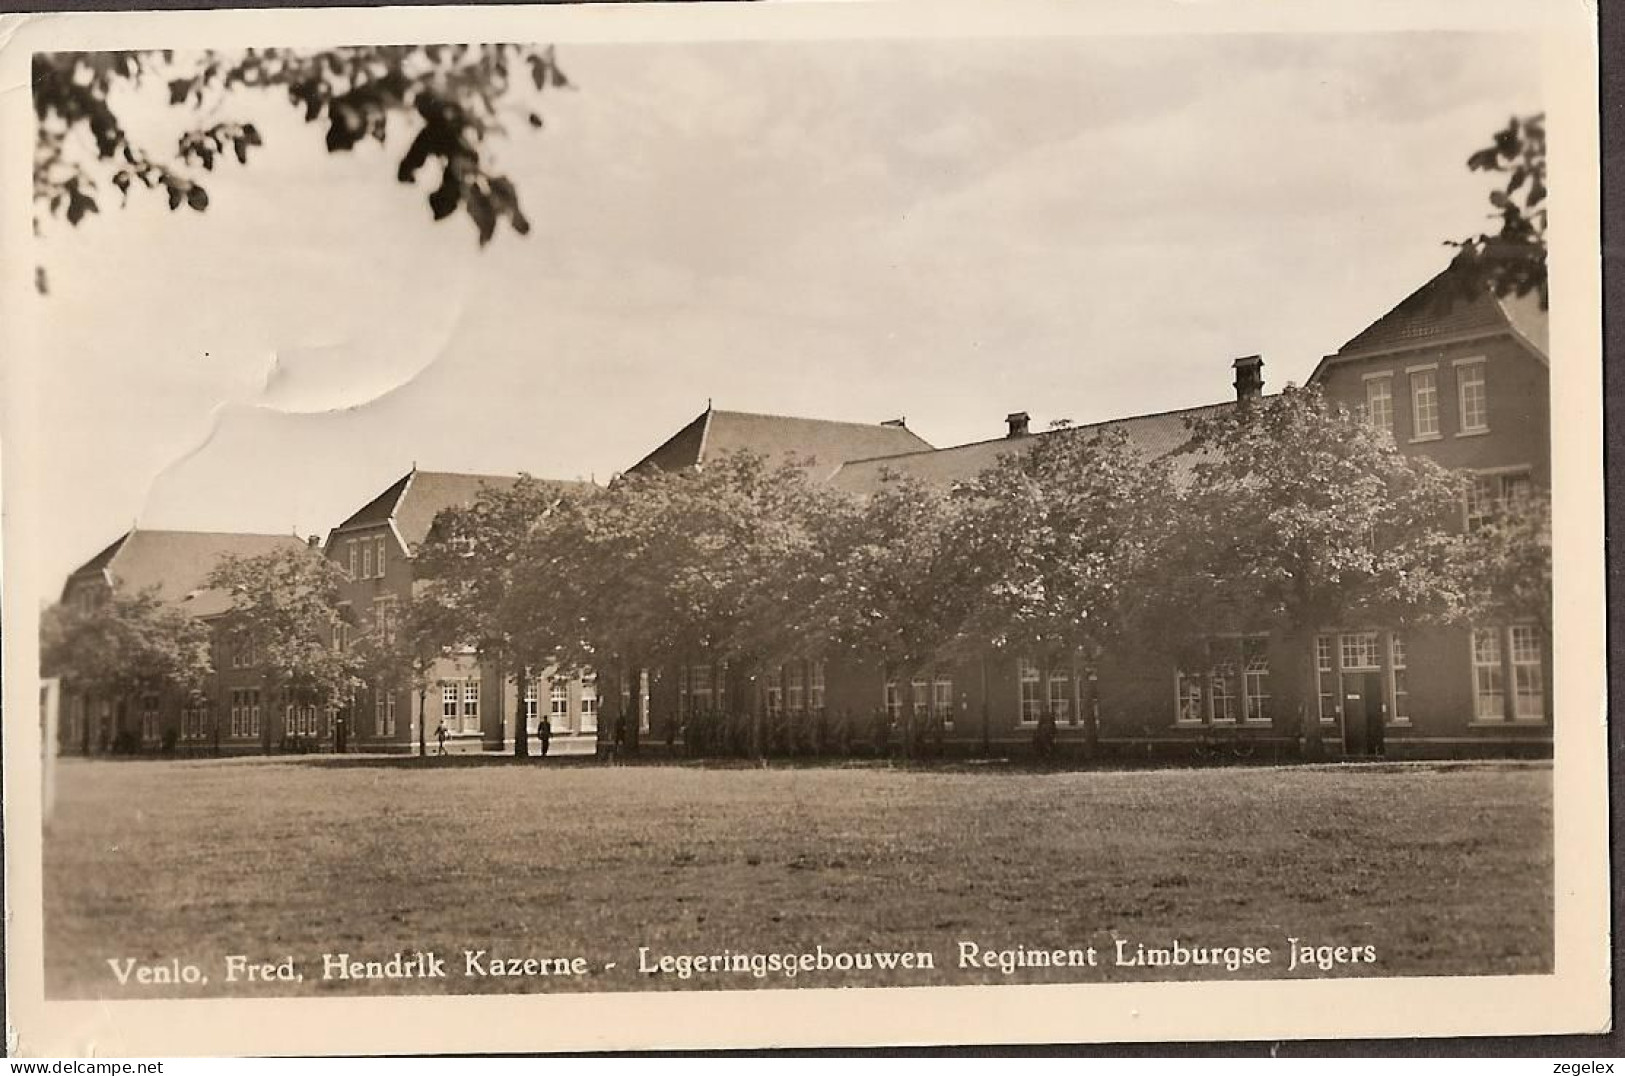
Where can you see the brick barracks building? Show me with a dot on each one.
(1462, 379)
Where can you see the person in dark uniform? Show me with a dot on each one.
(544, 733)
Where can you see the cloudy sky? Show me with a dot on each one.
(945, 230)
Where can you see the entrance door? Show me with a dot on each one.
(1364, 713)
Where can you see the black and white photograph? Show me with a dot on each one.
(758, 506)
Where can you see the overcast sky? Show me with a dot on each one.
(943, 230)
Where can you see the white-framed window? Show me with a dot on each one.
(378, 555)
(695, 690)
(1222, 677)
(150, 723)
(533, 700)
(1528, 681)
(385, 615)
(589, 702)
(352, 553)
(253, 712)
(383, 712)
(1402, 693)
(558, 699)
(795, 688)
(366, 559)
(942, 699)
(1489, 684)
(774, 684)
(471, 705)
(448, 703)
(1256, 681)
(1060, 697)
(1326, 673)
(815, 687)
(1424, 403)
(1472, 396)
(1360, 650)
(1032, 692)
(894, 702)
(1379, 402)
(1494, 492)
(193, 723)
(1190, 705)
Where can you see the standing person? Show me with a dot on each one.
(440, 738)
(544, 733)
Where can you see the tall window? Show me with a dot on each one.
(1527, 680)
(894, 702)
(1488, 494)
(352, 552)
(1256, 679)
(815, 687)
(1379, 403)
(1032, 697)
(795, 688)
(1188, 691)
(558, 699)
(471, 705)
(384, 616)
(1223, 676)
(149, 718)
(942, 699)
(1489, 690)
(383, 712)
(532, 701)
(1060, 697)
(589, 702)
(775, 693)
(366, 559)
(448, 704)
(1472, 397)
(1326, 671)
(1402, 694)
(378, 555)
(1425, 403)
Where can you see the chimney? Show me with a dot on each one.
(1249, 377)
(1017, 421)
(314, 541)
(899, 423)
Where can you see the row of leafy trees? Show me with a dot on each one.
(1282, 515)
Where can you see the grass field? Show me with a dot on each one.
(1442, 869)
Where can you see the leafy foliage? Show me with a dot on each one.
(1512, 260)
(454, 94)
(126, 645)
(1299, 515)
(286, 604)
(1507, 563)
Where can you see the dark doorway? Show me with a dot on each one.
(1364, 712)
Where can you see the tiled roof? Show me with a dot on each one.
(825, 444)
(1157, 436)
(418, 497)
(177, 563)
(1444, 308)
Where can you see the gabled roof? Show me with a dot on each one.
(177, 564)
(413, 501)
(1448, 308)
(1157, 436)
(823, 443)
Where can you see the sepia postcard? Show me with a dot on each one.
(680, 526)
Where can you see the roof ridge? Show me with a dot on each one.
(1046, 433)
(825, 421)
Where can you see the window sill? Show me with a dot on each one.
(1515, 723)
(1426, 437)
(1480, 432)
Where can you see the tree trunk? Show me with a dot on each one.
(521, 735)
(634, 688)
(1301, 643)
(423, 719)
(609, 704)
